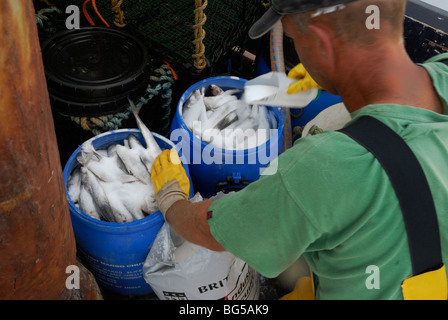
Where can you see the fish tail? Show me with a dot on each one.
(134, 108)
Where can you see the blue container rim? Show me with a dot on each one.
(113, 226)
(201, 84)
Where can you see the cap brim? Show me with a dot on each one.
(264, 24)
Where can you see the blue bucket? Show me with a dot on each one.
(214, 169)
(115, 252)
(300, 117)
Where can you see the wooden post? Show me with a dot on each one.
(36, 237)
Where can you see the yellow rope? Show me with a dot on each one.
(85, 123)
(199, 34)
(119, 14)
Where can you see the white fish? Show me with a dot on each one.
(133, 163)
(214, 102)
(273, 124)
(216, 90)
(263, 122)
(219, 115)
(114, 183)
(87, 153)
(99, 196)
(74, 185)
(111, 150)
(122, 201)
(151, 143)
(107, 170)
(226, 112)
(227, 121)
(194, 108)
(86, 204)
(147, 158)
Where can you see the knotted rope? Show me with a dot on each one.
(298, 130)
(40, 15)
(159, 85)
(119, 14)
(199, 34)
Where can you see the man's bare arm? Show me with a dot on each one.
(189, 220)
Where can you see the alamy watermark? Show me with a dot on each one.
(373, 278)
(373, 20)
(258, 149)
(73, 280)
(73, 21)
(372, 281)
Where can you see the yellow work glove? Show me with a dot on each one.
(169, 179)
(304, 81)
(303, 290)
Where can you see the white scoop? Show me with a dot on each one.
(271, 88)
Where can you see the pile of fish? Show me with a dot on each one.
(114, 184)
(226, 121)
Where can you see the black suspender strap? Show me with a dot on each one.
(411, 188)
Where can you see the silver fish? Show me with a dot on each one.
(87, 153)
(227, 121)
(151, 143)
(133, 163)
(194, 109)
(106, 169)
(115, 183)
(220, 114)
(146, 157)
(86, 204)
(99, 196)
(216, 90)
(225, 112)
(74, 185)
(214, 102)
(122, 201)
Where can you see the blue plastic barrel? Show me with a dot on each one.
(115, 252)
(214, 169)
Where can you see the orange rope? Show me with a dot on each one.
(86, 14)
(98, 13)
(175, 77)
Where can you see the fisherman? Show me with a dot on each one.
(330, 200)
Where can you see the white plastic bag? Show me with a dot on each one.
(179, 270)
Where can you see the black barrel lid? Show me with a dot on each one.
(92, 71)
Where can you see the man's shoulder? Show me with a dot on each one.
(315, 152)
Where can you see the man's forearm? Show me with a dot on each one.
(189, 220)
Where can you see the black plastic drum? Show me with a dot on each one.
(92, 71)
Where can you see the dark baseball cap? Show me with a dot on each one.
(279, 8)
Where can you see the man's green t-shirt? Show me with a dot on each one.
(331, 201)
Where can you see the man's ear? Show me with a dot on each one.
(324, 44)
